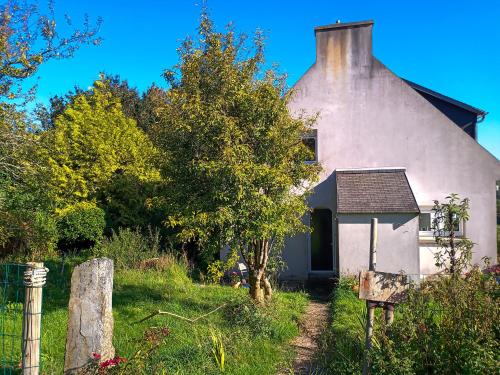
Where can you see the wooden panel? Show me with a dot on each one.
(382, 286)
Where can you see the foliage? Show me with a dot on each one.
(129, 247)
(148, 345)
(454, 253)
(449, 325)
(27, 227)
(217, 269)
(29, 38)
(218, 349)
(143, 109)
(231, 152)
(127, 201)
(188, 347)
(215, 272)
(80, 225)
(92, 141)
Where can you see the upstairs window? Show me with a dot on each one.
(310, 140)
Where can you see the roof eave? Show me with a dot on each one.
(479, 112)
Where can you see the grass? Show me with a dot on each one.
(341, 350)
(255, 340)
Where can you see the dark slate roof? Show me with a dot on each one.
(374, 191)
(467, 107)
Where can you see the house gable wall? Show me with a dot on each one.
(370, 118)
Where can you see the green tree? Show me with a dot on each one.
(29, 38)
(143, 109)
(92, 141)
(231, 151)
(455, 253)
(25, 222)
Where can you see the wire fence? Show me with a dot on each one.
(12, 296)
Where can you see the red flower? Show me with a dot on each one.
(96, 355)
(112, 362)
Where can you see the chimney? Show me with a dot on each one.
(344, 47)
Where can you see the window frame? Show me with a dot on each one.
(427, 234)
(313, 134)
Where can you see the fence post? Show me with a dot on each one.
(370, 306)
(34, 280)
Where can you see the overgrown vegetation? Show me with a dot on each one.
(255, 340)
(446, 325)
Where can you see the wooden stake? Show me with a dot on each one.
(389, 313)
(34, 279)
(370, 306)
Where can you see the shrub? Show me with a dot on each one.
(217, 269)
(31, 236)
(80, 226)
(129, 248)
(449, 325)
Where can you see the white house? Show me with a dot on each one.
(389, 148)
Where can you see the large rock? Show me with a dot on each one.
(90, 323)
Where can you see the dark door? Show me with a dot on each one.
(321, 240)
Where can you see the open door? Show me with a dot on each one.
(321, 240)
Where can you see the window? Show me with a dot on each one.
(426, 224)
(310, 141)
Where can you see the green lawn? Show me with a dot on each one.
(255, 340)
(342, 344)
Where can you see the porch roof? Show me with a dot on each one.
(374, 191)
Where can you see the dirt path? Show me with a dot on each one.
(306, 344)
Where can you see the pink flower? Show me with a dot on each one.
(112, 362)
(96, 355)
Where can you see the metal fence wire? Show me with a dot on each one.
(12, 296)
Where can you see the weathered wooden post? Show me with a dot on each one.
(389, 313)
(90, 323)
(370, 305)
(34, 279)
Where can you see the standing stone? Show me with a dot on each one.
(90, 323)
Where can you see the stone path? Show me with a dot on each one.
(306, 344)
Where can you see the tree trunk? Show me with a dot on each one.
(268, 290)
(260, 288)
(256, 291)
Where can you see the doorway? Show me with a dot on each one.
(321, 240)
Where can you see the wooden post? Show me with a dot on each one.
(370, 306)
(34, 280)
(389, 313)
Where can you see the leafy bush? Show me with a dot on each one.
(449, 325)
(27, 235)
(217, 269)
(129, 248)
(80, 226)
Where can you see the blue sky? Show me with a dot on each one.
(452, 47)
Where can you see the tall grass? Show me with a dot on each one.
(342, 345)
(130, 247)
(254, 340)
